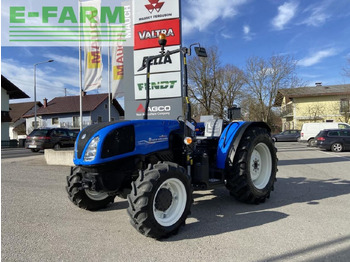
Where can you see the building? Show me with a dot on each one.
(18, 123)
(65, 112)
(313, 104)
(8, 91)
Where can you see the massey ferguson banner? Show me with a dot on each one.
(92, 49)
(153, 10)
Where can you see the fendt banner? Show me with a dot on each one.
(152, 18)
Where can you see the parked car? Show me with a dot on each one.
(309, 131)
(336, 140)
(73, 132)
(49, 138)
(287, 136)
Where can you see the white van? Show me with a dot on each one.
(310, 130)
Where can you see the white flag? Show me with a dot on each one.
(117, 68)
(92, 48)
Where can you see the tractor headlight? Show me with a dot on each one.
(90, 153)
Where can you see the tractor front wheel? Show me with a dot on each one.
(251, 171)
(85, 198)
(160, 200)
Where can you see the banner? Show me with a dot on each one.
(117, 68)
(92, 49)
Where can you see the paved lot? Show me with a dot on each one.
(306, 218)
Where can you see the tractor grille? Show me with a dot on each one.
(89, 132)
(119, 141)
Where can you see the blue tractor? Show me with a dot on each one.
(156, 164)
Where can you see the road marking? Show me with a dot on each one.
(335, 154)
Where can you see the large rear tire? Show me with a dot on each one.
(85, 198)
(160, 200)
(251, 171)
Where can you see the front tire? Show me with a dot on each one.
(251, 171)
(85, 198)
(160, 200)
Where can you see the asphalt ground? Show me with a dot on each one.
(307, 217)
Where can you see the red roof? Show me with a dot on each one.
(19, 109)
(13, 91)
(71, 104)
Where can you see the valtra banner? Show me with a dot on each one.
(146, 35)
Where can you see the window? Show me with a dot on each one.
(112, 119)
(333, 133)
(344, 105)
(345, 133)
(76, 121)
(106, 106)
(33, 123)
(55, 121)
(343, 126)
(99, 119)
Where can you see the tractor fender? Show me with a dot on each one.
(231, 137)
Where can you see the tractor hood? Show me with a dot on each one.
(105, 142)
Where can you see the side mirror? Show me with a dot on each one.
(200, 51)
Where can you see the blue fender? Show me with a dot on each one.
(231, 137)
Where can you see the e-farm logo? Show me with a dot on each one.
(69, 23)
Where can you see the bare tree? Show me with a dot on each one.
(230, 82)
(315, 111)
(203, 74)
(263, 78)
(345, 102)
(344, 109)
(213, 87)
(347, 69)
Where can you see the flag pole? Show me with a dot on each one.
(109, 73)
(80, 76)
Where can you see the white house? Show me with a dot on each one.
(18, 123)
(65, 112)
(8, 91)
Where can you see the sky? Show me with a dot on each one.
(316, 33)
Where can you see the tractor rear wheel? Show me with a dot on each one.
(160, 200)
(85, 198)
(251, 172)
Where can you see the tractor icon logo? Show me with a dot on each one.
(154, 5)
(140, 109)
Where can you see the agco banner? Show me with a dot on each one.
(152, 18)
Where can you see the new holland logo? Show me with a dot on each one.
(154, 5)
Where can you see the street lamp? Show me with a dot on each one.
(48, 61)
